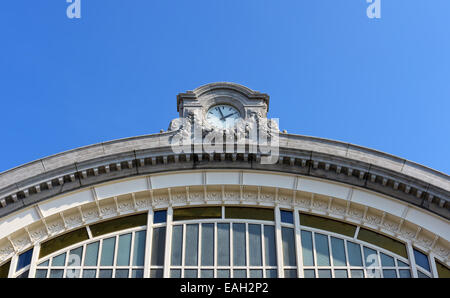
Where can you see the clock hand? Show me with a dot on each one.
(220, 112)
(223, 118)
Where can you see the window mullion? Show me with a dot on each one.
(279, 243)
(34, 260)
(148, 244)
(168, 247)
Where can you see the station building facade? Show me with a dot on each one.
(137, 208)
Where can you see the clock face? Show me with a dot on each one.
(223, 116)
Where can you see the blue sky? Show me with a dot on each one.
(331, 72)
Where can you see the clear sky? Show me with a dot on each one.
(331, 71)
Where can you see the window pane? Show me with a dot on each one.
(340, 274)
(44, 264)
(371, 257)
(255, 249)
(57, 273)
(207, 273)
(383, 241)
(307, 251)
(105, 273)
(322, 251)
(239, 248)
(190, 273)
(356, 273)
(177, 245)
(405, 273)
(160, 216)
(421, 260)
(249, 213)
(223, 250)
(121, 273)
(191, 248)
(63, 241)
(402, 264)
(271, 273)
(4, 269)
(269, 246)
(115, 225)
(24, 274)
(207, 244)
(288, 247)
(338, 249)
(41, 273)
(197, 213)
(387, 261)
(59, 260)
(309, 273)
(327, 224)
(91, 257)
(158, 246)
(75, 256)
(443, 271)
(389, 273)
(239, 273)
(139, 248)
(287, 216)
(137, 273)
(422, 275)
(256, 273)
(24, 259)
(354, 254)
(324, 273)
(156, 273)
(290, 273)
(108, 252)
(124, 250)
(89, 273)
(175, 273)
(223, 273)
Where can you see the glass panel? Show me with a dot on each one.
(422, 275)
(191, 245)
(239, 245)
(158, 246)
(24, 274)
(223, 273)
(327, 224)
(4, 269)
(239, 273)
(160, 216)
(56, 273)
(287, 217)
(249, 213)
(443, 271)
(387, 261)
(115, 225)
(309, 273)
(75, 256)
(124, 250)
(223, 250)
(24, 259)
(421, 260)
(405, 273)
(288, 247)
(190, 273)
(254, 242)
(44, 264)
(271, 273)
(108, 247)
(177, 245)
(91, 257)
(207, 244)
(105, 273)
(156, 273)
(139, 248)
(89, 273)
(356, 273)
(197, 213)
(371, 257)
(73, 273)
(354, 254)
(137, 273)
(338, 249)
(175, 273)
(389, 273)
(340, 274)
(207, 273)
(382, 241)
(290, 273)
(59, 260)
(41, 273)
(256, 273)
(324, 273)
(322, 251)
(121, 273)
(269, 246)
(402, 264)
(63, 241)
(307, 248)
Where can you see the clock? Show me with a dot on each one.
(222, 116)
